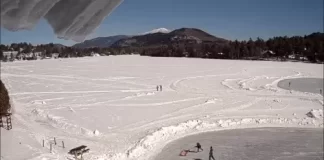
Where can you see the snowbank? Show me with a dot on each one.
(72, 19)
(38, 102)
(60, 123)
(96, 132)
(212, 101)
(315, 113)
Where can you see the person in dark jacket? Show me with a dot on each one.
(198, 147)
(289, 84)
(211, 154)
(160, 87)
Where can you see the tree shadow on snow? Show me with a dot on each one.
(192, 151)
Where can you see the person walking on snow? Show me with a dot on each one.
(157, 88)
(199, 147)
(211, 155)
(160, 87)
(289, 84)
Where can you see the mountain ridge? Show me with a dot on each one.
(160, 36)
(100, 42)
(182, 35)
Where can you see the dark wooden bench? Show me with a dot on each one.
(79, 151)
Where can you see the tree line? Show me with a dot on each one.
(310, 46)
(47, 50)
(5, 105)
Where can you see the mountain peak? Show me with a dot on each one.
(182, 35)
(158, 30)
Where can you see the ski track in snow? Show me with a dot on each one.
(242, 82)
(75, 92)
(200, 111)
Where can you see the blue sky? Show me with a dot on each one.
(230, 19)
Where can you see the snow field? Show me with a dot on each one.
(111, 104)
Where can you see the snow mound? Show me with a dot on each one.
(38, 102)
(96, 132)
(211, 101)
(71, 109)
(145, 94)
(70, 19)
(315, 113)
(150, 141)
(59, 122)
(13, 106)
(85, 131)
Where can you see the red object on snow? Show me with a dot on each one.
(183, 153)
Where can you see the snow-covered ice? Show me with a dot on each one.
(70, 19)
(111, 105)
(312, 85)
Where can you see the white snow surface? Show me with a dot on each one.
(158, 30)
(70, 19)
(73, 99)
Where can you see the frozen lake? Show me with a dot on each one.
(311, 85)
(251, 144)
(116, 96)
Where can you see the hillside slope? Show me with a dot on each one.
(100, 41)
(189, 35)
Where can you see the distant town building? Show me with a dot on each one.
(292, 56)
(9, 53)
(303, 58)
(93, 54)
(55, 55)
(268, 53)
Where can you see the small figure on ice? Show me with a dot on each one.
(157, 88)
(211, 154)
(289, 84)
(198, 146)
(161, 88)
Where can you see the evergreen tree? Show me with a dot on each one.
(1, 55)
(4, 99)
